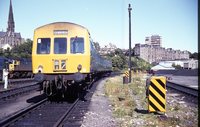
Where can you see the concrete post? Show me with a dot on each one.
(5, 78)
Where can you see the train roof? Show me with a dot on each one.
(3, 58)
(69, 23)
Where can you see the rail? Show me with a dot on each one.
(8, 121)
(183, 89)
(19, 90)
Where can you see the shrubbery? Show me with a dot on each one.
(22, 51)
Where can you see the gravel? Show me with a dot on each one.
(180, 112)
(99, 112)
(16, 104)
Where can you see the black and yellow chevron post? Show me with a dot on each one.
(157, 94)
(127, 74)
(126, 77)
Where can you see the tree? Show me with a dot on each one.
(7, 52)
(194, 55)
(176, 66)
(140, 63)
(23, 51)
(1, 52)
(119, 61)
(97, 46)
(118, 51)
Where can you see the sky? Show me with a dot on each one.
(176, 21)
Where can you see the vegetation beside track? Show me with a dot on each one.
(129, 105)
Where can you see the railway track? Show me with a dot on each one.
(44, 113)
(18, 87)
(17, 81)
(76, 115)
(183, 89)
(48, 113)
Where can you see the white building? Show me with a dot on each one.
(6, 46)
(186, 64)
(190, 64)
(108, 49)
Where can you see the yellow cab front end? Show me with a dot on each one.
(59, 48)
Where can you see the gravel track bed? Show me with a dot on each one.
(14, 104)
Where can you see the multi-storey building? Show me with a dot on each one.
(154, 40)
(155, 54)
(10, 37)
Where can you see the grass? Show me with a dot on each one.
(125, 98)
(121, 95)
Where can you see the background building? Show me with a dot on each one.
(184, 63)
(10, 38)
(152, 51)
(190, 64)
(110, 48)
(154, 40)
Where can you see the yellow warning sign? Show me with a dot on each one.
(127, 73)
(157, 94)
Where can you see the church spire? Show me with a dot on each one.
(11, 23)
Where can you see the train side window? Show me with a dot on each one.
(43, 46)
(60, 45)
(77, 45)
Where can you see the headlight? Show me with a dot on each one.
(40, 68)
(56, 64)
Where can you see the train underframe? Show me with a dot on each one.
(66, 86)
(20, 74)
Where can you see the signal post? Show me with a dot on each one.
(129, 10)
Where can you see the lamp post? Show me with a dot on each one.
(129, 10)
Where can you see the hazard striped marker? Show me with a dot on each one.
(157, 94)
(127, 74)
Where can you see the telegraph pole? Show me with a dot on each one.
(129, 10)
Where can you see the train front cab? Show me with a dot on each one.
(58, 50)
